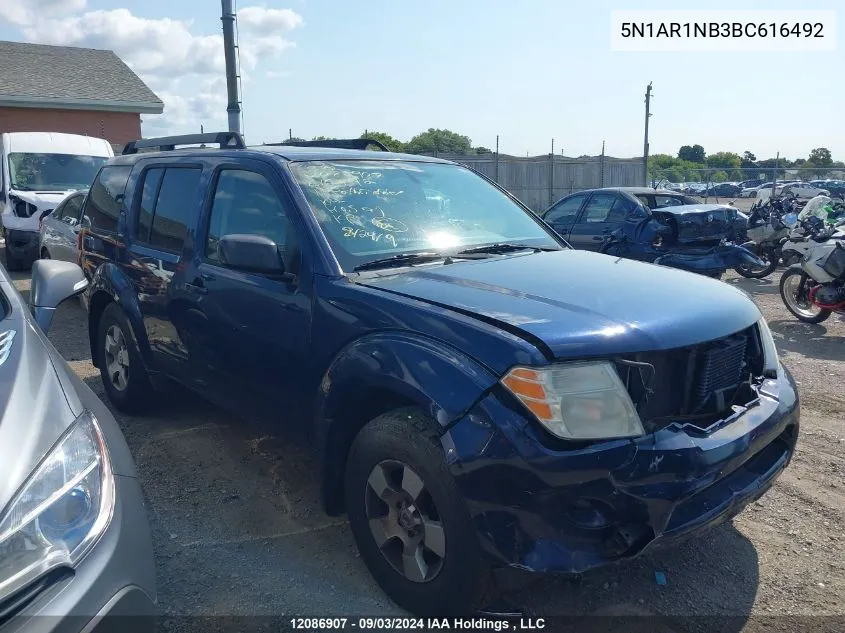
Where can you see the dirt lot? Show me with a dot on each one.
(238, 529)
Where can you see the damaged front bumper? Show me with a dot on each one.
(711, 261)
(544, 505)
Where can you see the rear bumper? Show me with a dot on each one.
(541, 507)
(112, 588)
(22, 245)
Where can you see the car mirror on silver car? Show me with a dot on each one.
(53, 281)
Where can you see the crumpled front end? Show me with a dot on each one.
(545, 505)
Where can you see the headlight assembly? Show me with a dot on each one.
(771, 362)
(582, 400)
(60, 510)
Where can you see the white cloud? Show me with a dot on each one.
(186, 69)
(21, 12)
(268, 21)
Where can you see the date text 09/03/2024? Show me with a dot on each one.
(421, 624)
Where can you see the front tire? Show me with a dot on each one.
(409, 520)
(124, 376)
(753, 272)
(800, 306)
(13, 264)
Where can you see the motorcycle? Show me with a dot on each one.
(795, 246)
(767, 226)
(815, 288)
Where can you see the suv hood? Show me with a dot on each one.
(34, 410)
(580, 304)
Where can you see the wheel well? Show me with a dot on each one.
(357, 410)
(97, 305)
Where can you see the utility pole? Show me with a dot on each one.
(775, 179)
(645, 140)
(552, 174)
(602, 163)
(234, 107)
(496, 177)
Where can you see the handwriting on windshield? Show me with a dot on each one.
(353, 233)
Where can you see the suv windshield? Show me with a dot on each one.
(374, 209)
(52, 172)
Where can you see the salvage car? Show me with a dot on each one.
(37, 171)
(58, 230)
(479, 394)
(652, 225)
(75, 542)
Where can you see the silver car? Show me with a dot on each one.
(58, 231)
(74, 536)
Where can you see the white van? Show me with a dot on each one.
(37, 170)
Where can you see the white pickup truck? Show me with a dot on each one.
(37, 170)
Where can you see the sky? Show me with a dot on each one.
(528, 72)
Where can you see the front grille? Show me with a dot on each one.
(698, 384)
(719, 372)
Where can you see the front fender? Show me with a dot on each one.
(108, 279)
(380, 372)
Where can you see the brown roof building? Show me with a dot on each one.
(72, 90)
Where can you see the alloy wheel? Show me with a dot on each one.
(799, 304)
(117, 357)
(404, 521)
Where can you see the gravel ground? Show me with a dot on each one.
(238, 529)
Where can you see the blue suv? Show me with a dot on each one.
(481, 395)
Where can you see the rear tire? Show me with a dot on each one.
(125, 378)
(452, 578)
(800, 307)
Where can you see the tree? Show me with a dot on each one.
(820, 157)
(296, 139)
(748, 158)
(693, 154)
(394, 145)
(323, 138)
(724, 160)
(483, 150)
(720, 176)
(436, 141)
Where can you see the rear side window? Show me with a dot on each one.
(167, 207)
(598, 208)
(70, 214)
(102, 206)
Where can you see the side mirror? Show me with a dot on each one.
(252, 253)
(53, 281)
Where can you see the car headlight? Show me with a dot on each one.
(582, 400)
(771, 362)
(60, 510)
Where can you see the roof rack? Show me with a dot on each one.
(337, 143)
(225, 140)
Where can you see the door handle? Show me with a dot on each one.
(196, 286)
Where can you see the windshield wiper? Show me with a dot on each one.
(402, 259)
(503, 247)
